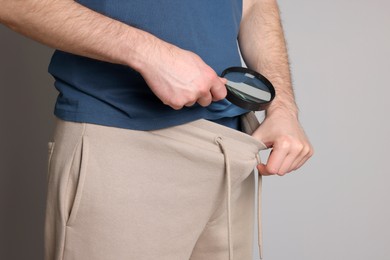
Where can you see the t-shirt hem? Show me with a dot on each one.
(144, 124)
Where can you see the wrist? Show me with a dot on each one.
(139, 49)
(282, 109)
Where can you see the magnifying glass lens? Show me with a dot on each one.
(248, 89)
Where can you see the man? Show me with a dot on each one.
(135, 170)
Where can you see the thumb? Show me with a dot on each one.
(262, 168)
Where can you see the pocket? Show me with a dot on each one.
(76, 181)
(50, 150)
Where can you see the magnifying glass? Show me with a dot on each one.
(248, 89)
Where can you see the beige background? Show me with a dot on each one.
(336, 207)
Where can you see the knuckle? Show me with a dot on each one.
(175, 103)
(298, 148)
(195, 56)
(285, 143)
(307, 150)
(203, 90)
(210, 73)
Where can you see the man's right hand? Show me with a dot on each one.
(181, 78)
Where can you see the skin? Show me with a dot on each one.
(263, 47)
(177, 77)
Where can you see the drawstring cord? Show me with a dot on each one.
(219, 141)
(259, 216)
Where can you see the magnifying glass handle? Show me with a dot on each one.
(248, 90)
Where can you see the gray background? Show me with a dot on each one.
(335, 207)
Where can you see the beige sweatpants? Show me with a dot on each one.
(180, 193)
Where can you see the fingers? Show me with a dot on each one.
(205, 99)
(307, 154)
(262, 168)
(223, 80)
(190, 104)
(275, 160)
(285, 157)
(216, 92)
(183, 79)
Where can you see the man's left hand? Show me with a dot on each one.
(282, 132)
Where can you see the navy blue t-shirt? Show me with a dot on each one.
(102, 93)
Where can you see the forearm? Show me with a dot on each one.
(263, 49)
(176, 76)
(71, 27)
